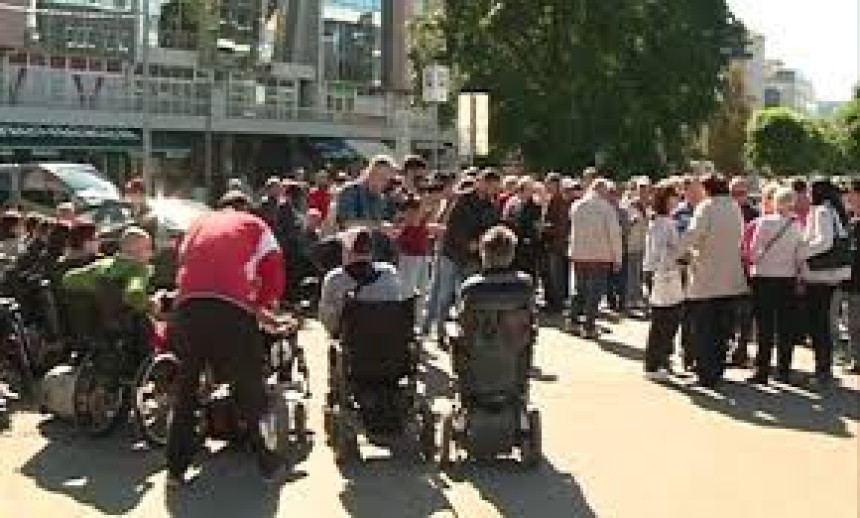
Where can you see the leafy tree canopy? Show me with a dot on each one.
(569, 79)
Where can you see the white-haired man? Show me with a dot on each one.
(595, 252)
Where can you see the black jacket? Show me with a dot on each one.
(470, 217)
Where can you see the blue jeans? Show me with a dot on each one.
(447, 278)
(590, 286)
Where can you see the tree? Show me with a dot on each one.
(571, 79)
(849, 120)
(787, 142)
(727, 135)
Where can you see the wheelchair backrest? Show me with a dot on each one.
(115, 317)
(498, 332)
(378, 337)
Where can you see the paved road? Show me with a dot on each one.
(616, 447)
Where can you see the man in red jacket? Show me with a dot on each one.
(230, 276)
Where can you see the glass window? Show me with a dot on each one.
(41, 188)
(5, 188)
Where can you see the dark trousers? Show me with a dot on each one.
(661, 337)
(617, 296)
(557, 279)
(591, 285)
(818, 300)
(713, 323)
(688, 338)
(744, 330)
(227, 338)
(773, 308)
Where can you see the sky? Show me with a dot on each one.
(817, 37)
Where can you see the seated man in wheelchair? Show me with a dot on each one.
(129, 273)
(362, 308)
(506, 296)
(492, 355)
(369, 281)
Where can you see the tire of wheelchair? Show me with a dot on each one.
(93, 375)
(162, 364)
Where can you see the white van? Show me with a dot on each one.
(41, 187)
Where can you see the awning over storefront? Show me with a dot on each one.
(368, 149)
(37, 136)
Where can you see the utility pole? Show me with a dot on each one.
(146, 122)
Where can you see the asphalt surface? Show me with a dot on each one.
(616, 446)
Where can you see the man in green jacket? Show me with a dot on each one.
(130, 266)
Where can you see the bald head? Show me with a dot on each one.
(137, 244)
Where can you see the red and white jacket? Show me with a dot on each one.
(233, 256)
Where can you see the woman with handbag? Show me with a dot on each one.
(827, 253)
(775, 262)
(667, 293)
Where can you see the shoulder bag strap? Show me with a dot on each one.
(773, 241)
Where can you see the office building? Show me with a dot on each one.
(246, 88)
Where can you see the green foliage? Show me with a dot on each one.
(789, 143)
(849, 119)
(570, 79)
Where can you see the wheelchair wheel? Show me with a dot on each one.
(344, 443)
(328, 424)
(447, 447)
(531, 443)
(427, 434)
(15, 369)
(300, 422)
(101, 398)
(153, 398)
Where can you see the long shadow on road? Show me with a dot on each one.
(786, 407)
(393, 488)
(104, 474)
(544, 492)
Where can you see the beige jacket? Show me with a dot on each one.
(713, 241)
(595, 232)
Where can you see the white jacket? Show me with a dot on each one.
(818, 240)
(595, 232)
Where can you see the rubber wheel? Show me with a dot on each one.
(101, 399)
(345, 444)
(531, 446)
(427, 435)
(300, 422)
(446, 442)
(328, 425)
(153, 398)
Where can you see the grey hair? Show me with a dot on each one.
(498, 247)
(784, 198)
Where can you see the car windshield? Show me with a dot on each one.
(85, 181)
(177, 213)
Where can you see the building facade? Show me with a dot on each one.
(755, 71)
(789, 88)
(236, 88)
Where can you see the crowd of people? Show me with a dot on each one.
(716, 263)
(711, 264)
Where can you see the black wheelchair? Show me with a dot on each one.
(492, 345)
(287, 381)
(115, 345)
(374, 381)
(17, 364)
